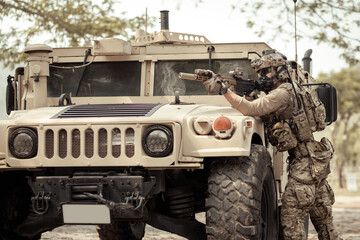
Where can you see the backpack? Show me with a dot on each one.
(313, 108)
(309, 114)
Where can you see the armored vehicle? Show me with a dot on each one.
(109, 135)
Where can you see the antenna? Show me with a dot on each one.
(296, 57)
(146, 21)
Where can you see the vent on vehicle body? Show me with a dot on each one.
(49, 144)
(101, 142)
(109, 110)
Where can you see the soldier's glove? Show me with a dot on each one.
(223, 88)
(213, 84)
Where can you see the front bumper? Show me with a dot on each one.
(123, 195)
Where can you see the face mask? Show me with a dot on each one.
(265, 84)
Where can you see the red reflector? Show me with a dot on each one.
(222, 123)
(248, 123)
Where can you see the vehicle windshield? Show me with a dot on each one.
(124, 78)
(96, 79)
(167, 82)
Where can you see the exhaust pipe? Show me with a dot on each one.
(164, 19)
(307, 60)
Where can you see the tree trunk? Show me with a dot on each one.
(340, 140)
(340, 168)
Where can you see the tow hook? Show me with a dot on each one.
(135, 200)
(40, 203)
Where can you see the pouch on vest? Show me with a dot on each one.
(301, 124)
(320, 154)
(314, 109)
(319, 111)
(285, 138)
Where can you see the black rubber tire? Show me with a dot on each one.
(306, 226)
(242, 201)
(14, 205)
(121, 230)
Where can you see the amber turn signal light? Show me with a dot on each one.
(222, 123)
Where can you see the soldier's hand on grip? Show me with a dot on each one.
(213, 84)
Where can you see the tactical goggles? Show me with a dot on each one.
(265, 71)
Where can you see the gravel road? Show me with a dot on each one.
(346, 218)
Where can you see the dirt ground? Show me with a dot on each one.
(346, 217)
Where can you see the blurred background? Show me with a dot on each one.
(330, 28)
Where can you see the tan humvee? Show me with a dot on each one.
(97, 135)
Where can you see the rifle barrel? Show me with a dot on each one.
(188, 76)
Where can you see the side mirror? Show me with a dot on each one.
(327, 95)
(10, 95)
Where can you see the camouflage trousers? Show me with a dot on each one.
(298, 201)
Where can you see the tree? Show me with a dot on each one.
(345, 130)
(333, 22)
(60, 23)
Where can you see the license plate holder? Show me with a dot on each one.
(86, 214)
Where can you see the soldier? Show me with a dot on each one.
(307, 191)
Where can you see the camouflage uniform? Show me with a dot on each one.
(303, 195)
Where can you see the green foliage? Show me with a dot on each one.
(333, 22)
(60, 23)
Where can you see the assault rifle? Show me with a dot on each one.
(241, 86)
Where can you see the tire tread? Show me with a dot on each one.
(234, 188)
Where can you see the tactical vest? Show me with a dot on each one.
(291, 128)
(278, 124)
(296, 121)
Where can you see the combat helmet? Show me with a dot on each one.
(270, 58)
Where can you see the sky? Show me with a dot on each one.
(220, 24)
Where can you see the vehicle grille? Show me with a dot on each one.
(97, 141)
(109, 110)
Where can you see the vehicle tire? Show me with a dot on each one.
(14, 205)
(306, 226)
(242, 201)
(121, 230)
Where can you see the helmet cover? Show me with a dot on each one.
(267, 61)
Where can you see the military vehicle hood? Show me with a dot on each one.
(110, 113)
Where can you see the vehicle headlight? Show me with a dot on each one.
(157, 141)
(23, 143)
